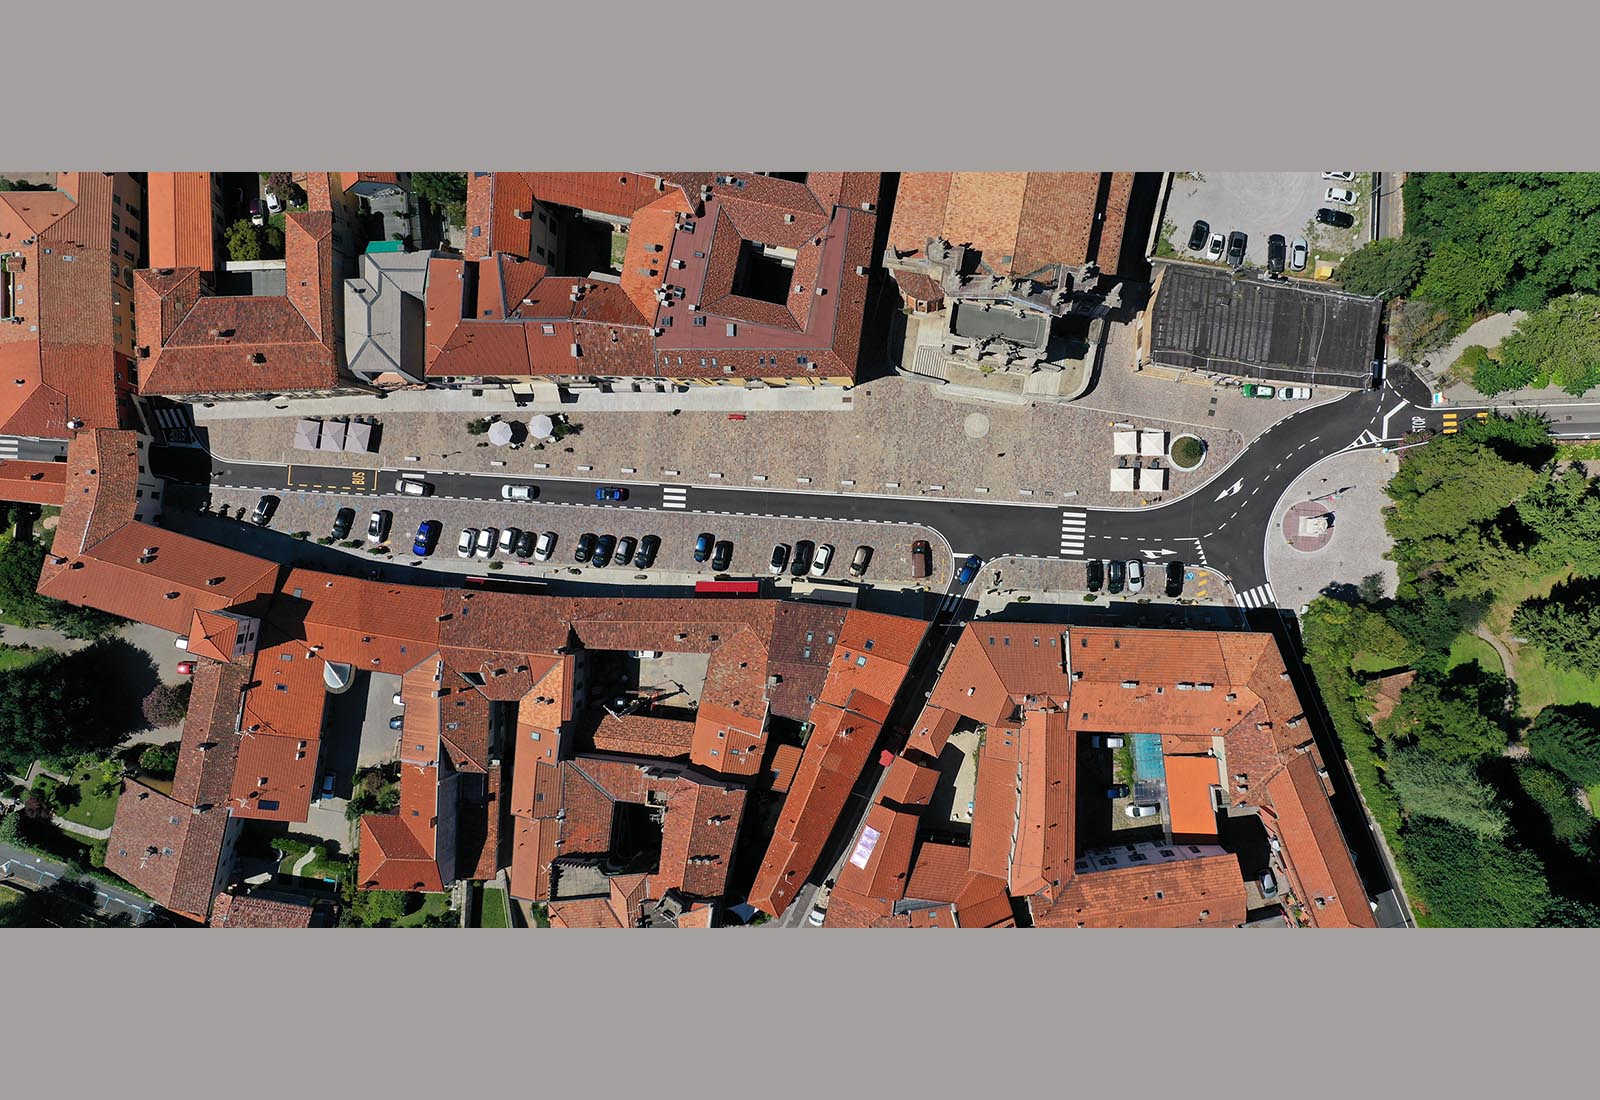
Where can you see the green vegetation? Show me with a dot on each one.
(1547, 789)
(1564, 626)
(1187, 451)
(1430, 787)
(432, 912)
(246, 241)
(160, 761)
(1384, 269)
(14, 657)
(55, 707)
(376, 791)
(1469, 881)
(445, 191)
(20, 563)
(1568, 740)
(1470, 649)
(492, 912)
(90, 799)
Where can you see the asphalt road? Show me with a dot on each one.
(34, 871)
(32, 450)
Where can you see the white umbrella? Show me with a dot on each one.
(1122, 479)
(333, 432)
(500, 433)
(359, 437)
(1153, 479)
(1124, 443)
(1152, 444)
(542, 427)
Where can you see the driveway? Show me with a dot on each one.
(1262, 203)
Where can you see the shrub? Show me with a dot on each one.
(1187, 451)
(478, 426)
(1569, 822)
(160, 761)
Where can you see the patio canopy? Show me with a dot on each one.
(359, 437)
(499, 433)
(541, 427)
(333, 433)
(1152, 479)
(1122, 479)
(1152, 444)
(1124, 443)
(306, 434)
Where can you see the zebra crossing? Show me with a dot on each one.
(674, 496)
(8, 446)
(1073, 525)
(173, 420)
(1259, 596)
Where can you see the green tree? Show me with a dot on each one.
(1564, 626)
(1489, 375)
(1567, 738)
(1430, 787)
(51, 706)
(20, 563)
(1431, 620)
(1570, 913)
(160, 761)
(1562, 511)
(1450, 718)
(1547, 789)
(1558, 345)
(243, 241)
(1468, 881)
(1420, 327)
(1388, 268)
(446, 191)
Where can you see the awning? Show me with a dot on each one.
(1124, 443)
(1152, 444)
(306, 434)
(1155, 480)
(1122, 479)
(359, 437)
(333, 433)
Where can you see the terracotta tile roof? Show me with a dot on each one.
(101, 480)
(1202, 892)
(785, 759)
(1167, 673)
(209, 750)
(939, 873)
(1328, 886)
(994, 808)
(984, 903)
(698, 834)
(908, 783)
(644, 735)
(583, 913)
(178, 220)
(879, 864)
(289, 770)
(169, 850)
(213, 635)
(254, 911)
(1385, 693)
(803, 637)
(391, 858)
(996, 666)
(33, 482)
(932, 730)
(1047, 811)
(1190, 813)
(919, 287)
(533, 849)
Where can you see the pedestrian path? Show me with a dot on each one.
(8, 446)
(1259, 596)
(1073, 526)
(674, 496)
(81, 830)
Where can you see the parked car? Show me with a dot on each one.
(1294, 393)
(610, 492)
(518, 492)
(818, 914)
(969, 570)
(545, 546)
(1298, 251)
(1111, 741)
(1143, 809)
(267, 505)
(1236, 246)
(722, 555)
(1341, 195)
(626, 545)
(258, 212)
(415, 487)
(804, 550)
(1339, 219)
(343, 520)
(274, 204)
(1135, 575)
(603, 550)
(1277, 253)
(486, 542)
(1218, 245)
(1119, 791)
(1257, 389)
(508, 540)
(185, 668)
(780, 558)
(921, 559)
(1116, 574)
(427, 537)
(327, 785)
(399, 699)
(378, 526)
(1199, 235)
(585, 549)
(464, 544)
(859, 563)
(823, 559)
(703, 545)
(524, 547)
(397, 722)
(1096, 570)
(1269, 884)
(1344, 177)
(649, 546)
(1175, 571)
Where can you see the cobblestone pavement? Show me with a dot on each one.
(1359, 540)
(753, 537)
(897, 438)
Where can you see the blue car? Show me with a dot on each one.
(427, 538)
(610, 492)
(969, 569)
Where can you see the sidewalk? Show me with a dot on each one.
(1487, 332)
(81, 830)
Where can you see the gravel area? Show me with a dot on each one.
(1263, 203)
(1359, 540)
(1052, 581)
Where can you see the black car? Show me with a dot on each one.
(1236, 246)
(646, 557)
(1199, 236)
(1097, 574)
(1117, 572)
(1277, 251)
(585, 548)
(702, 546)
(267, 505)
(804, 551)
(603, 551)
(625, 548)
(525, 544)
(780, 557)
(1175, 579)
(397, 722)
(722, 555)
(1339, 219)
(343, 520)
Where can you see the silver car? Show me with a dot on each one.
(485, 544)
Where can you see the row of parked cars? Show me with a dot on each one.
(1281, 253)
(1117, 576)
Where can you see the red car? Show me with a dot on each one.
(185, 668)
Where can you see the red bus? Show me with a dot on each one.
(726, 589)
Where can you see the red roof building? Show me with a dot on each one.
(261, 911)
(176, 853)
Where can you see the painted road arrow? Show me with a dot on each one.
(1156, 553)
(1230, 490)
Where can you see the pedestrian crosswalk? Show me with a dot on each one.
(951, 601)
(1450, 426)
(1259, 596)
(674, 496)
(1073, 525)
(173, 420)
(8, 446)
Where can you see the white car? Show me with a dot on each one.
(545, 546)
(1142, 809)
(465, 543)
(1215, 248)
(1343, 177)
(823, 559)
(413, 487)
(1295, 393)
(1108, 742)
(1341, 195)
(516, 492)
(274, 205)
(1135, 576)
(485, 545)
(399, 699)
(508, 540)
(1298, 250)
(817, 915)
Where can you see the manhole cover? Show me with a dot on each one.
(976, 425)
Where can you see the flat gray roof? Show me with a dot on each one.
(1209, 320)
(1031, 330)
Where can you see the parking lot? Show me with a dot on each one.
(1260, 204)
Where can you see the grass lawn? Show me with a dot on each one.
(1594, 799)
(492, 908)
(9, 896)
(619, 248)
(14, 657)
(433, 905)
(1541, 686)
(1363, 662)
(1468, 648)
(92, 809)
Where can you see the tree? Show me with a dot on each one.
(20, 563)
(1430, 787)
(160, 761)
(84, 623)
(1384, 269)
(281, 184)
(1431, 620)
(1451, 717)
(1489, 375)
(1562, 512)
(1419, 327)
(1547, 789)
(445, 191)
(1564, 626)
(1469, 881)
(1371, 589)
(1451, 484)
(1567, 738)
(166, 705)
(1570, 913)
(50, 706)
(1559, 345)
(243, 240)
